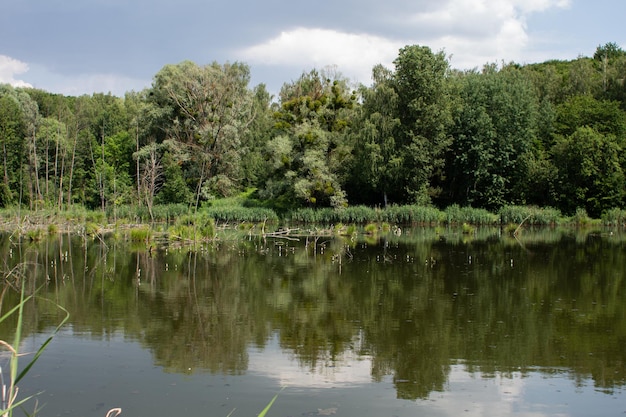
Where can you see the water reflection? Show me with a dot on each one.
(410, 310)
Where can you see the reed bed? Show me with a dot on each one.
(614, 217)
(539, 216)
(470, 215)
(238, 214)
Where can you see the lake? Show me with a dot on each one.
(432, 322)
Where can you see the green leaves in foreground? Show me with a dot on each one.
(267, 407)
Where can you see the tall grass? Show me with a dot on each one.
(162, 213)
(540, 216)
(470, 215)
(236, 213)
(193, 227)
(614, 217)
(10, 390)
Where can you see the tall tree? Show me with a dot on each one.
(376, 168)
(424, 111)
(494, 134)
(590, 175)
(12, 132)
(309, 151)
(209, 109)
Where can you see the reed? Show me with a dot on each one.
(17, 371)
(614, 217)
(580, 218)
(193, 227)
(475, 216)
(546, 216)
(140, 234)
(237, 213)
(35, 235)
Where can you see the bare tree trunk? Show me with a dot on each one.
(36, 164)
(101, 174)
(69, 190)
(6, 173)
(47, 165)
(61, 174)
(137, 178)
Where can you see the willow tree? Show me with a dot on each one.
(208, 109)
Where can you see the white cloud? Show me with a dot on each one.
(473, 32)
(88, 83)
(353, 54)
(9, 68)
(476, 32)
(97, 83)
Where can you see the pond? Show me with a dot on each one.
(432, 322)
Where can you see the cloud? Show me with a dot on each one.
(472, 32)
(9, 68)
(85, 83)
(476, 32)
(307, 48)
(96, 83)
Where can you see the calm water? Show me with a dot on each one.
(430, 323)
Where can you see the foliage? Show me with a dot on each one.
(550, 134)
(424, 111)
(589, 172)
(495, 127)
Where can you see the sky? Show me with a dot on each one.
(76, 47)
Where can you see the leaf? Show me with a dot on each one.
(268, 406)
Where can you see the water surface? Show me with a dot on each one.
(432, 323)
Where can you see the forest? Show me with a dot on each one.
(549, 134)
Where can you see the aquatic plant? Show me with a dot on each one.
(140, 234)
(614, 217)
(10, 390)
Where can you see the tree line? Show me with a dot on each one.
(547, 134)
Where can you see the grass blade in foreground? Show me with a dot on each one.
(268, 406)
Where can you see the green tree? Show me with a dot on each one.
(207, 111)
(611, 62)
(584, 110)
(424, 111)
(590, 175)
(494, 133)
(12, 132)
(308, 153)
(376, 169)
(254, 167)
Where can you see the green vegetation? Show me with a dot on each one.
(421, 138)
(10, 401)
